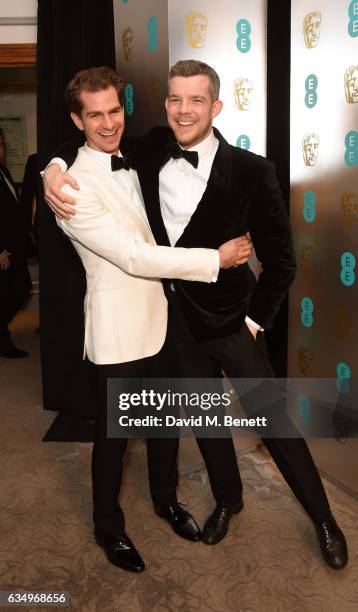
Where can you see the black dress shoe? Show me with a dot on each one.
(11, 352)
(121, 552)
(333, 543)
(181, 521)
(217, 524)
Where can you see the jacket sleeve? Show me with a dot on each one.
(100, 232)
(68, 151)
(271, 235)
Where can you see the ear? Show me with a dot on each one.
(217, 108)
(166, 103)
(77, 121)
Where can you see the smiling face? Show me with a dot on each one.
(191, 109)
(102, 119)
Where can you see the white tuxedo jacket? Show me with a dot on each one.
(125, 306)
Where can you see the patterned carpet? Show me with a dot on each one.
(269, 562)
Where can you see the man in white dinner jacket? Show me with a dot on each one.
(125, 305)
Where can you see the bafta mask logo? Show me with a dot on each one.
(196, 25)
(349, 208)
(351, 84)
(127, 44)
(153, 94)
(310, 148)
(305, 360)
(243, 89)
(344, 324)
(312, 29)
(306, 257)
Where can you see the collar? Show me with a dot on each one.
(206, 146)
(104, 159)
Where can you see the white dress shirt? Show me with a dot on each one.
(181, 187)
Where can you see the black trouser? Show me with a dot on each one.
(15, 286)
(241, 356)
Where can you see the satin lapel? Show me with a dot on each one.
(217, 190)
(113, 196)
(148, 174)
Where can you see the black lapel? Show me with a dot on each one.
(148, 174)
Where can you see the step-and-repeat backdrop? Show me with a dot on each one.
(230, 36)
(323, 331)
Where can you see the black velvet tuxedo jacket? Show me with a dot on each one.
(242, 194)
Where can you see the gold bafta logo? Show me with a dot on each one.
(306, 256)
(196, 25)
(349, 208)
(127, 44)
(351, 84)
(344, 323)
(243, 90)
(310, 145)
(305, 360)
(312, 28)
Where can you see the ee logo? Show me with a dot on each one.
(307, 312)
(128, 97)
(309, 203)
(311, 84)
(125, 1)
(153, 39)
(343, 375)
(243, 41)
(351, 154)
(353, 18)
(348, 262)
(243, 142)
(304, 408)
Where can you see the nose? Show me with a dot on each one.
(108, 122)
(184, 106)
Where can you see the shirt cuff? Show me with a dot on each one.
(255, 325)
(56, 160)
(216, 266)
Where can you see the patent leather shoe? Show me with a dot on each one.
(332, 543)
(217, 524)
(181, 521)
(121, 552)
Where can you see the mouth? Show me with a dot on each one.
(109, 135)
(185, 123)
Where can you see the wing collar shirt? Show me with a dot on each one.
(181, 187)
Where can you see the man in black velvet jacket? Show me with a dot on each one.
(200, 191)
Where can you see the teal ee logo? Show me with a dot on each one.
(343, 378)
(243, 142)
(153, 38)
(311, 97)
(351, 154)
(243, 41)
(304, 408)
(307, 312)
(124, 1)
(309, 203)
(348, 262)
(128, 97)
(353, 19)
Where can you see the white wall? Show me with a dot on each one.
(17, 33)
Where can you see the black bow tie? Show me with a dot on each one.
(119, 163)
(175, 152)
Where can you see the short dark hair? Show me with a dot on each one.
(92, 79)
(188, 68)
